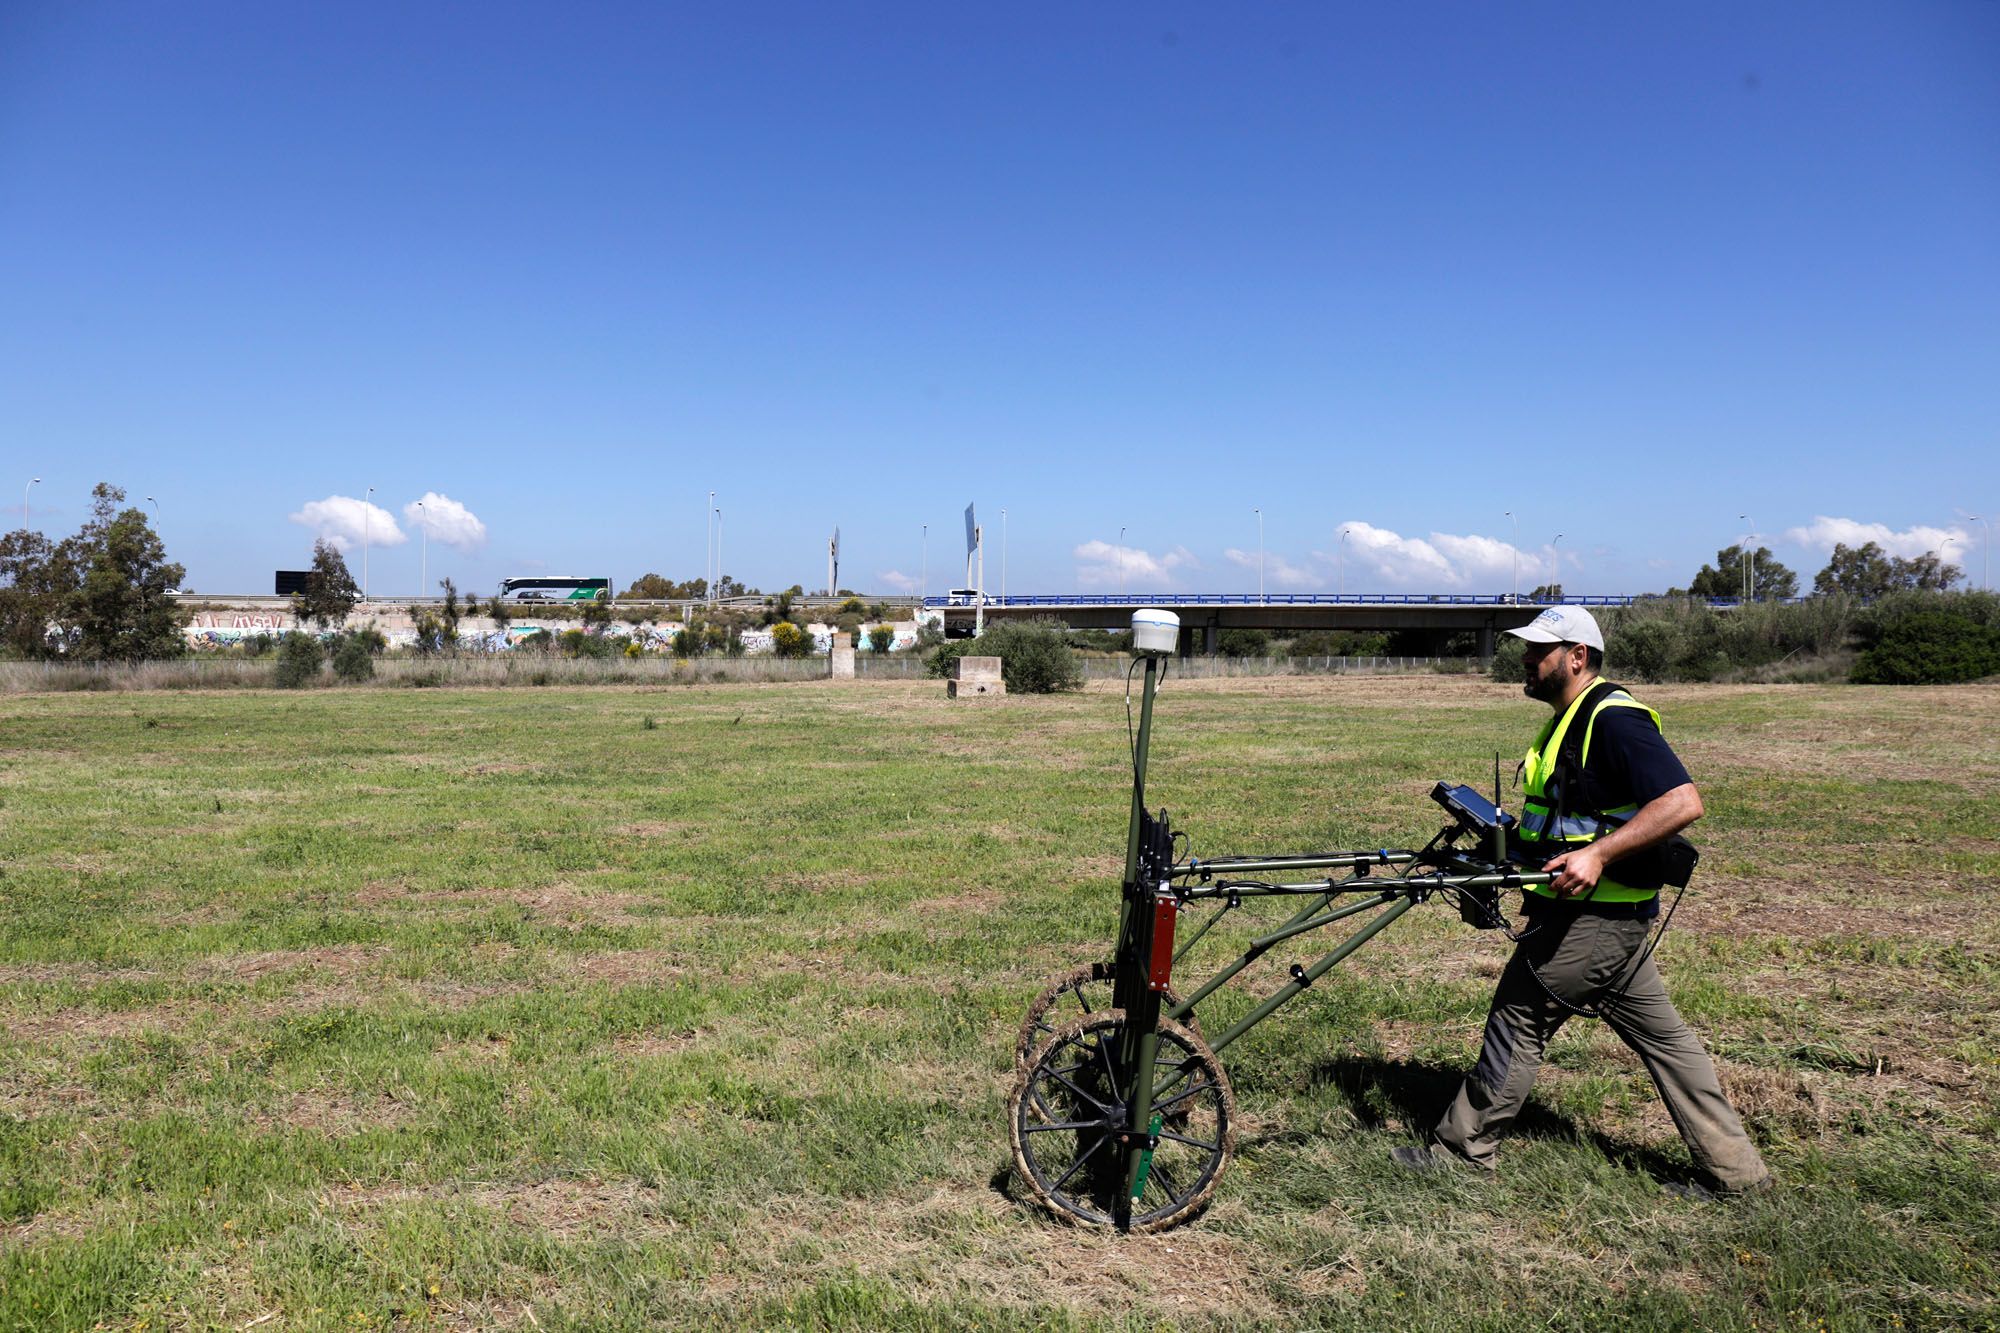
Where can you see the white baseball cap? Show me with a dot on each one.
(1563, 624)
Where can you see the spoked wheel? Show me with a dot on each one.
(1068, 1107)
(1081, 993)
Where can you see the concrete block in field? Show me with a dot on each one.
(975, 678)
(843, 656)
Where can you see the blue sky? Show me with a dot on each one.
(1450, 278)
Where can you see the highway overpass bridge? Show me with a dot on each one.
(1205, 615)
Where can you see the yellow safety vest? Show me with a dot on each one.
(1550, 822)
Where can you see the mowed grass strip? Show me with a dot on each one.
(470, 1009)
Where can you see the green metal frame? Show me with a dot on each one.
(1151, 876)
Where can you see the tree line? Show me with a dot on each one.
(105, 593)
(102, 594)
(1865, 571)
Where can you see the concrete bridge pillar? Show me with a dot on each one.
(1486, 641)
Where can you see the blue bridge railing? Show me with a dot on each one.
(963, 600)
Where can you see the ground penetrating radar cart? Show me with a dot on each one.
(1121, 1115)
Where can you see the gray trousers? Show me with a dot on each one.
(1581, 958)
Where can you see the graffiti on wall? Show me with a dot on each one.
(226, 629)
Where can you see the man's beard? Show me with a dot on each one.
(1548, 687)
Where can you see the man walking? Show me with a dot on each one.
(1605, 797)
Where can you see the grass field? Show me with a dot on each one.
(614, 1007)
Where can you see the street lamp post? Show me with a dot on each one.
(1003, 556)
(1260, 555)
(1749, 559)
(1555, 565)
(708, 549)
(1516, 549)
(1944, 559)
(1121, 564)
(924, 569)
(424, 557)
(1343, 560)
(25, 509)
(1985, 552)
(367, 512)
(718, 551)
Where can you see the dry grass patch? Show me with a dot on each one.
(339, 962)
(79, 974)
(627, 967)
(577, 1209)
(657, 828)
(333, 1113)
(1773, 1099)
(654, 1046)
(562, 1208)
(966, 1243)
(566, 904)
(970, 904)
(30, 1093)
(1845, 905)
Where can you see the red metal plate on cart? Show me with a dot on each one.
(1165, 912)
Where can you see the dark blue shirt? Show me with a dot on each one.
(1630, 762)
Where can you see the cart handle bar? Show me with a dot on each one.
(1248, 865)
(1419, 885)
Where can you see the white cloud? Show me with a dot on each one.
(1381, 560)
(1822, 533)
(1103, 564)
(1278, 571)
(348, 523)
(446, 521)
(896, 579)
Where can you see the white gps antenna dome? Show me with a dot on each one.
(1155, 631)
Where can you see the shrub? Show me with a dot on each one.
(853, 606)
(1243, 643)
(1102, 640)
(1675, 639)
(1340, 643)
(788, 640)
(1645, 651)
(352, 661)
(258, 645)
(1508, 666)
(1930, 640)
(940, 656)
(882, 638)
(299, 658)
(578, 643)
(1035, 655)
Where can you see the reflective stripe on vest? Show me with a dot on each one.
(1539, 822)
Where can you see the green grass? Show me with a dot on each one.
(489, 1008)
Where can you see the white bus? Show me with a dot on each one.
(555, 590)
